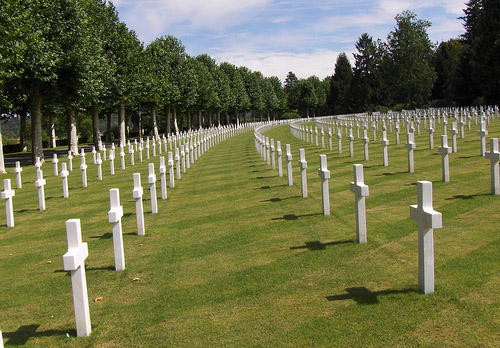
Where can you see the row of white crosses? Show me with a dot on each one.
(74, 259)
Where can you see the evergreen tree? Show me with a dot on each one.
(340, 86)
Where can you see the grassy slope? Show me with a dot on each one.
(237, 258)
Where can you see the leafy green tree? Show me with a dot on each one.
(271, 101)
(214, 103)
(411, 54)
(340, 85)
(206, 89)
(447, 60)
(279, 92)
(225, 93)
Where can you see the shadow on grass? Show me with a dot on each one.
(267, 187)
(275, 200)
(467, 157)
(389, 174)
(363, 296)
(103, 268)
(107, 235)
(25, 210)
(467, 196)
(21, 336)
(291, 217)
(317, 245)
(265, 177)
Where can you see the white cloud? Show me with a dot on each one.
(318, 62)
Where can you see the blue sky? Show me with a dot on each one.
(274, 36)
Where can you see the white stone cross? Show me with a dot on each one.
(187, 153)
(410, 145)
(428, 219)
(445, 151)
(462, 123)
(1, 339)
(115, 215)
(273, 155)
(289, 164)
(70, 161)
(322, 138)
(303, 173)
(163, 178)
(397, 133)
(312, 135)
(351, 143)
(7, 194)
(431, 137)
(170, 164)
(152, 188)
(482, 135)
(64, 176)
(147, 148)
(365, 141)
(307, 134)
(454, 132)
(112, 162)
(374, 129)
(324, 175)
(38, 163)
(330, 139)
(122, 157)
(385, 143)
(94, 152)
(104, 152)
(494, 156)
(55, 161)
(154, 147)
(18, 171)
(40, 183)
(316, 135)
(280, 158)
(132, 158)
(137, 193)
(268, 151)
(140, 152)
(360, 191)
(177, 164)
(339, 136)
(159, 145)
(183, 159)
(83, 167)
(74, 261)
(98, 161)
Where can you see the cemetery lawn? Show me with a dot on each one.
(236, 258)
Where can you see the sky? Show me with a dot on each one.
(275, 37)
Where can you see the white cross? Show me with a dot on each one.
(70, 161)
(112, 162)
(445, 151)
(40, 183)
(38, 163)
(324, 175)
(410, 145)
(431, 138)
(273, 155)
(339, 136)
(183, 159)
(115, 215)
(94, 152)
(137, 194)
(289, 164)
(132, 159)
(494, 156)
(163, 178)
(55, 161)
(303, 174)
(18, 171)
(7, 194)
(351, 143)
(122, 157)
(64, 176)
(454, 137)
(360, 191)
(73, 261)
(152, 188)
(170, 164)
(83, 167)
(385, 143)
(186, 151)
(482, 135)
(427, 219)
(98, 161)
(366, 140)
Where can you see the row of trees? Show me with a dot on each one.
(62, 61)
(408, 70)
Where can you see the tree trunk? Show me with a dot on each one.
(22, 132)
(95, 127)
(128, 116)
(123, 140)
(176, 127)
(109, 134)
(189, 119)
(72, 135)
(36, 124)
(2, 162)
(154, 124)
(199, 119)
(52, 121)
(169, 111)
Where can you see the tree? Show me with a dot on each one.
(340, 85)
(447, 60)
(279, 92)
(482, 37)
(271, 101)
(308, 98)
(411, 55)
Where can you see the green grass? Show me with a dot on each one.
(236, 258)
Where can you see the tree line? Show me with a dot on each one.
(64, 64)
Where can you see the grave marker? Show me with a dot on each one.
(494, 156)
(18, 171)
(74, 261)
(482, 135)
(64, 176)
(163, 178)
(273, 155)
(360, 191)
(445, 151)
(7, 194)
(112, 162)
(365, 141)
(70, 161)
(40, 183)
(98, 161)
(289, 164)
(55, 161)
(324, 175)
(115, 215)
(385, 144)
(428, 219)
(410, 145)
(152, 188)
(171, 169)
(303, 173)
(83, 168)
(177, 164)
(280, 159)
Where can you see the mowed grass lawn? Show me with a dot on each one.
(236, 258)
